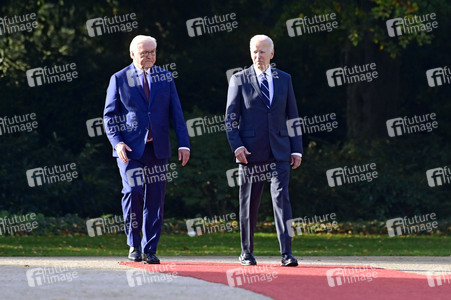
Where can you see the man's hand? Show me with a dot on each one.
(121, 150)
(295, 161)
(184, 156)
(241, 153)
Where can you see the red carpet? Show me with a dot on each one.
(312, 281)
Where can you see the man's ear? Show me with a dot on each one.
(272, 54)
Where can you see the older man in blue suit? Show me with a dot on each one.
(260, 102)
(141, 101)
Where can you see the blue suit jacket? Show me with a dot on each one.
(250, 123)
(127, 114)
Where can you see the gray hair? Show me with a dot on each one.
(258, 37)
(141, 38)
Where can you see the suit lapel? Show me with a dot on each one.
(252, 77)
(138, 84)
(153, 85)
(276, 86)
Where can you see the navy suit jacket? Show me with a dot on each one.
(250, 123)
(127, 115)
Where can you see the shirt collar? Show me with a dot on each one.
(138, 70)
(258, 72)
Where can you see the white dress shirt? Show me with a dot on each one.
(140, 73)
(269, 78)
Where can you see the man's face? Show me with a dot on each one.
(145, 54)
(262, 54)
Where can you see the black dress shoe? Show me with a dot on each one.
(135, 254)
(247, 259)
(150, 258)
(288, 260)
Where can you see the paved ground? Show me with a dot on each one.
(103, 277)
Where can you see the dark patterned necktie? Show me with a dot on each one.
(264, 87)
(147, 93)
(146, 86)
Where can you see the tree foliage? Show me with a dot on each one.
(201, 63)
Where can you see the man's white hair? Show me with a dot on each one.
(141, 38)
(260, 37)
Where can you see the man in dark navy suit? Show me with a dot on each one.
(260, 101)
(140, 103)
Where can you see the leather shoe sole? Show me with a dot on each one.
(153, 260)
(247, 262)
(135, 259)
(289, 264)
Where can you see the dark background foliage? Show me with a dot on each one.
(63, 108)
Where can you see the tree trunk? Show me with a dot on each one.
(371, 104)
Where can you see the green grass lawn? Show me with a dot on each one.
(229, 244)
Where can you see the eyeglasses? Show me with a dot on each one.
(146, 53)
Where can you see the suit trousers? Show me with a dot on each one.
(252, 180)
(143, 199)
